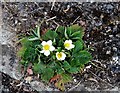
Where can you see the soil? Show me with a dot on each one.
(102, 33)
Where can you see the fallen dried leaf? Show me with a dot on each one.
(29, 71)
(55, 78)
(28, 79)
(60, 85)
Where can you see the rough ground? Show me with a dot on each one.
(102, 32)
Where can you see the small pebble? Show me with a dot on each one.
(108, 52)
(114, 49)
(110, 36)
(75, 80)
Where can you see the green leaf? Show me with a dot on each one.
(47, 74)
(78, 47)
(76, 28)
(74, 70)
(53, 65)
(60, 29)
(75, 62)
(49, 35)
(59, 69)
(60, 42)
(22, 62)
(38, 68)
(66, 78)
(77, 35)
(83, 56)
(21, 51)
(66, 65)
(25, 42)
(30, 54)
(77, 32)
(36, 32)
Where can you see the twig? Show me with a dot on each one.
(101, 79)
(51, 18)
(56, 23)
(75, 19)
(75, 86)
(96, 66)
(53, 4)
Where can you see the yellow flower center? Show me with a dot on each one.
(46, 47)
(67, 45)
(59, 55)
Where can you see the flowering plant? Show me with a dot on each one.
(55, 55)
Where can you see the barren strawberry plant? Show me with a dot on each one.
(55, 55)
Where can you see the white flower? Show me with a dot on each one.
(68, 44)
(60, 55)
(47, 47)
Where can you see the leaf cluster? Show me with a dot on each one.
(49, 66)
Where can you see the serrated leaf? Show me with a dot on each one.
(75, 62)
(60, 85)
(78, 46)
(66, 65)
(74, 70)
(83, 56)
(52, 65)
(47, 74)
(60, 29)
(60, 42)
(66, 78)
(38, 68)
(77, 32)
(21, 51)
(25, 42)
(76, 28)
(60, 71)
(30, 54)
(50, 35)
(77, 35)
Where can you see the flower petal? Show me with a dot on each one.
(47, 53)
(72, 46)
(52, 48)
(43, 43)
(42, 51)
(63, 56)
(49, 42)
(66, 41)
(70, 41)
(68, 48)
